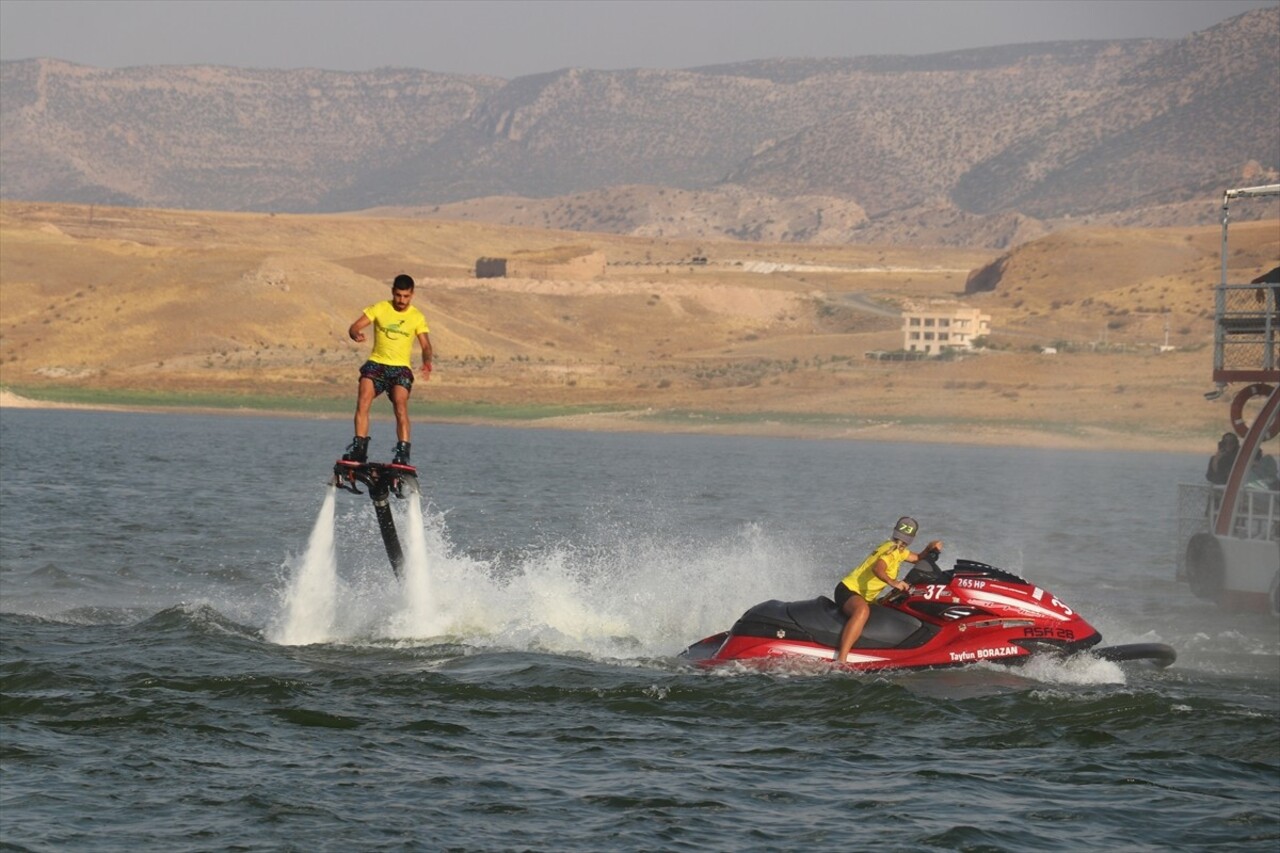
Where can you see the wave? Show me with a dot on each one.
(200, 620)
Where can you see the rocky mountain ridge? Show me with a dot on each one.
(981, 147)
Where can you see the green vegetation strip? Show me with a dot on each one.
(827, 419)
(529, 413)
(178, 399)
(500, 412)
(275, 403)
(688, 416)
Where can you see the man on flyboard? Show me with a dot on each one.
(396, 323)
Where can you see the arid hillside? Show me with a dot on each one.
(980, 148)
(762, 337)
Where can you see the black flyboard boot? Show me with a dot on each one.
(400, 456)
(358, 450)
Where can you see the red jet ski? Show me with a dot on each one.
(974, 612)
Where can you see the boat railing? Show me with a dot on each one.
(1257, 515)
(1247, 322)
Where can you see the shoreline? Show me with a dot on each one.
(1082, 437)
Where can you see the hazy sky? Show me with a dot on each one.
(510, 39)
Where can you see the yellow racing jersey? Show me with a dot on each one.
(394, 332)
(863, 579)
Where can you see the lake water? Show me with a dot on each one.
(169, 682)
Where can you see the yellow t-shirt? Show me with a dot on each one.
(863, 579)
(394, 332)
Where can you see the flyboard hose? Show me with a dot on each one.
(387, 527)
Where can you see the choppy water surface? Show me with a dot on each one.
(170, 681)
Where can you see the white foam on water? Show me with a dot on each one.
(637, 595)
(1082, 669)
(309, 602)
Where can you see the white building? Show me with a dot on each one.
(940, 328)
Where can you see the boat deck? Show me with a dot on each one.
(1257, 516)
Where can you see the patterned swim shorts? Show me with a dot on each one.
(386, 376)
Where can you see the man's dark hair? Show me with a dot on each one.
(402, 282)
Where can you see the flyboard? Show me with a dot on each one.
(382, 479)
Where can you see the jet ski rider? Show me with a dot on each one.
(864, 584)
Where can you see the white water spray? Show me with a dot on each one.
(421, 616)
(309, 602)
(633, 593)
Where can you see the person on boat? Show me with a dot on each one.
(1263, 472)
(864, 584)
(396, 324)
(1220, 463)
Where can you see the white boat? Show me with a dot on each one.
(1229, 534)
